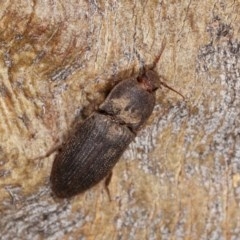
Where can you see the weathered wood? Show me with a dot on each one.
(180, 179)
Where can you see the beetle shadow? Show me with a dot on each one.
(117, 76)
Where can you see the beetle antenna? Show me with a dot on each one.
(156, 60)
(164, 43)
(165, 85)
(142, 68)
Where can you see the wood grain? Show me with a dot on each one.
(180, 179)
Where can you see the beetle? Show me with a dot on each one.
(93, 149)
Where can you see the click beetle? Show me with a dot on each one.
(90, 153)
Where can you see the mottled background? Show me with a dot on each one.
(180, 178)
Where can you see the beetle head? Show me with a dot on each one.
(149, 81)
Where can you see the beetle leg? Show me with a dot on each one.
(107, 182)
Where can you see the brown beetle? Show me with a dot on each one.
(91, 152)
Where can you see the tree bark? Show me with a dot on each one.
(180, 178)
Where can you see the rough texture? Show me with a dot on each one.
(89, 155)
(180, 178)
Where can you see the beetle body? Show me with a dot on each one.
(91, 152)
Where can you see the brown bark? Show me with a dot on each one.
(180, 178)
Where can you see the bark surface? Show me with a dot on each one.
(180, 178)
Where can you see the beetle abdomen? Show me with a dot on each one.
(89, 154)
